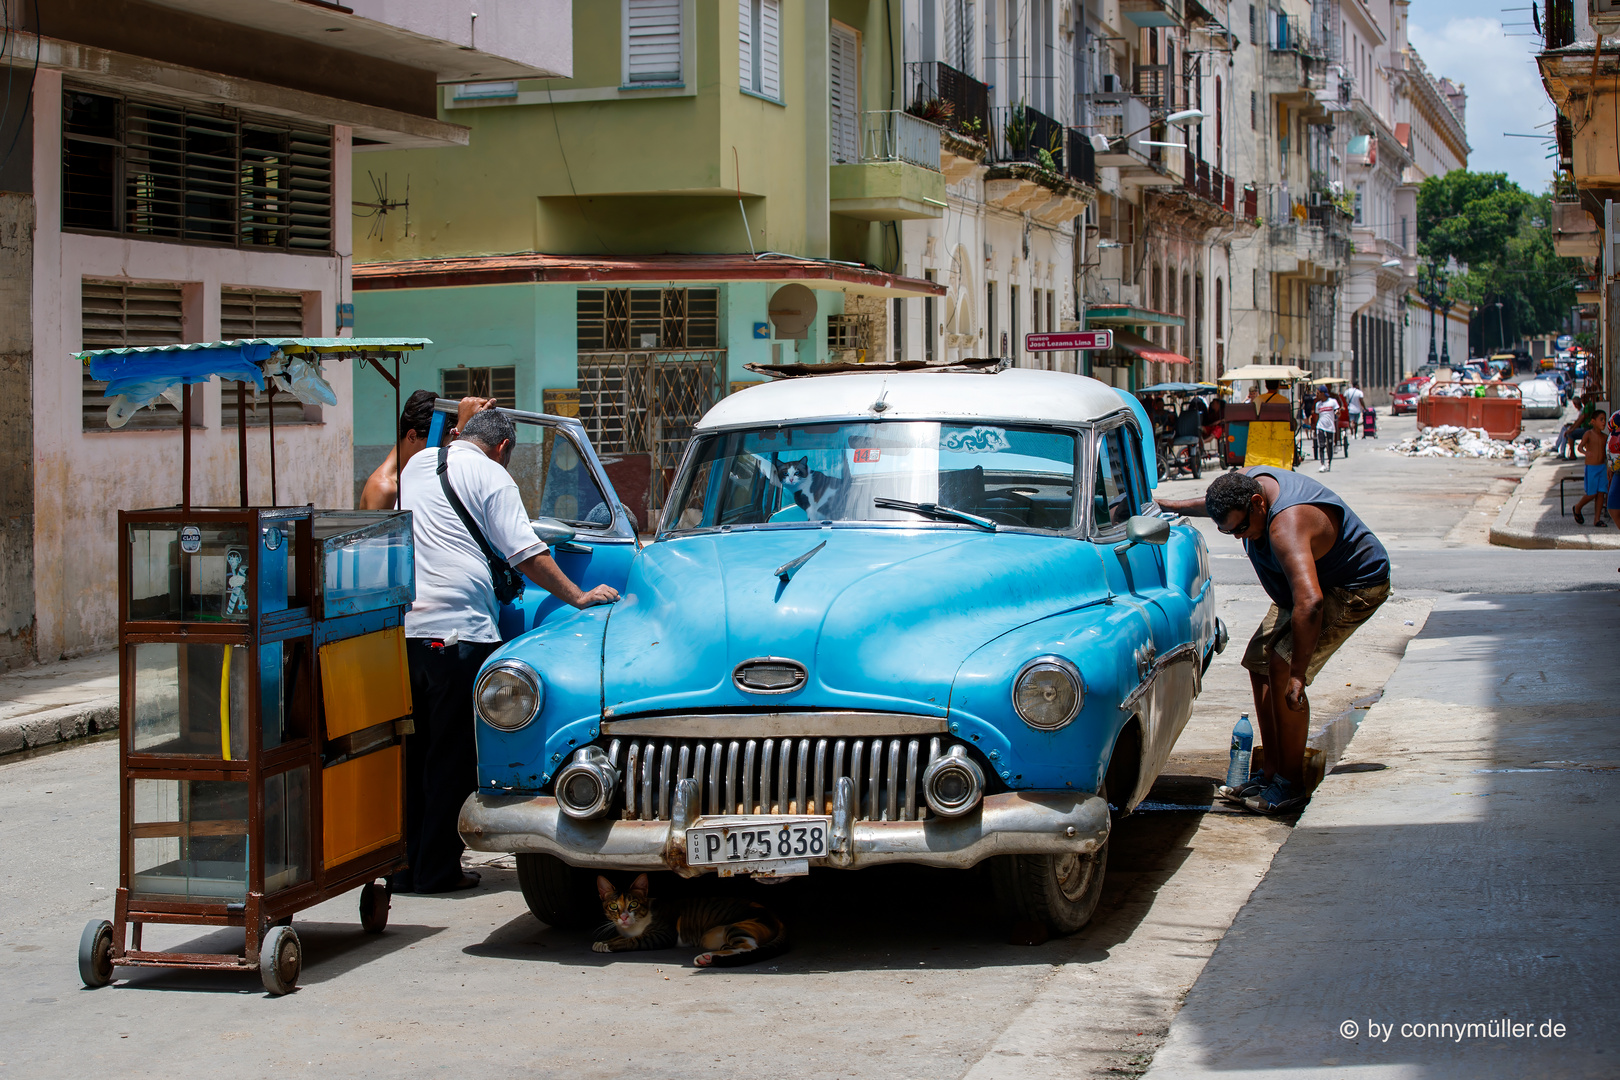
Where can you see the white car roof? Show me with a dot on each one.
(1013, 394)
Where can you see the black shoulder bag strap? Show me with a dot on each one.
(508, 582)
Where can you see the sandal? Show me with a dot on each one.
(1579, 519)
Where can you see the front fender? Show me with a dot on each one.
(1101, 640)
(566, 652)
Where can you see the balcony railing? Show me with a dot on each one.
(1021, 133)
(942, 95)
(891, 135)
(1207, 182)
(1080, 163)
(1155, 84)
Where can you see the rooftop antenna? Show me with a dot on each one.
(379, 207)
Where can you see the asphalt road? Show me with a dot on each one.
(899, 973)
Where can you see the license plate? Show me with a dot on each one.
(758, 845)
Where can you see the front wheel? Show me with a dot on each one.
(281, 960)
(558, 894)
(1058, 891)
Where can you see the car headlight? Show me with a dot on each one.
(508, 695)
(952, 783)
(1048, 693)
(586, 785)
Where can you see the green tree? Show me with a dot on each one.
(1535, 285)
(1467, 216)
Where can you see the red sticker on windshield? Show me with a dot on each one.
(866, 457)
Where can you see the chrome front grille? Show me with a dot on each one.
(775, 776)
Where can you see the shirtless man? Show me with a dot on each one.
(1326, 574)
(414, 423)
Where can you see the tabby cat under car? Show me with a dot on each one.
(732, 932)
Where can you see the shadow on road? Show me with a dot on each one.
(906, 917)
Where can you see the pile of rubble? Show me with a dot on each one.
(1457, 442)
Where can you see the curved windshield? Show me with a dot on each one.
(860, 470)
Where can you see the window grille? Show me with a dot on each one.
(652, 41)
(262, 313)
(199, 174)
(847, 333)
(631, 319)
(122, 314)
(499, 383)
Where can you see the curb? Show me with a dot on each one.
(1503, 534)
(59, 725)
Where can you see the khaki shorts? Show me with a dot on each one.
(1342, 611)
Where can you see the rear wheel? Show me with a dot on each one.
(95, 953)
(558, 894)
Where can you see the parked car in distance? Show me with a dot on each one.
(1542, 398)
(888, 617)
(1405, 397)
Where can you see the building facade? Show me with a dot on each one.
(179, 171)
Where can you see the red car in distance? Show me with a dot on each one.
(1405, 397)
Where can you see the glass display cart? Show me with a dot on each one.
(263, 701)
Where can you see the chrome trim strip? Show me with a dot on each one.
(1011, 823)
(1188, 651)
(832, 724)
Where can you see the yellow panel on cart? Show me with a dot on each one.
(364, 681)
(1270, 444)
(362, 805)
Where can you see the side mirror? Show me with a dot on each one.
(552, 531)
(1141, 529)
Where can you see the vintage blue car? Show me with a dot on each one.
(888, 617)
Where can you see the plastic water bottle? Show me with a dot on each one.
(1237, 770)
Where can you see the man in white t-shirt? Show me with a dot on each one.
(453, 626)
(1327, 428)
(1354, 399)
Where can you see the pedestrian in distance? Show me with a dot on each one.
(415, 421)
(1356, 402)
(1326, 574)
(1327, 428)
(452, 627)
(1612, 450)
(1593, 449)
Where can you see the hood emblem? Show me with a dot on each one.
(785, 572)
(769, 675)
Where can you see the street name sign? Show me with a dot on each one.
(1076, 339)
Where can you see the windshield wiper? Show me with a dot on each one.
(934, 510)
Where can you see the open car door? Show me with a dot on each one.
(560, 478)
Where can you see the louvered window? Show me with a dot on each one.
(652, 42)
(628, 320)
(759, 41)
(121, 314)
(499, 383)
(262, 313)
(199, 174)
(843, 80)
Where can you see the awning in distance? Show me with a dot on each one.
(1128, 345)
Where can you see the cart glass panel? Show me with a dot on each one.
(366, 561)
(190, 700)
(284, 691)
(189, 572)
(287, 858)
(190, 839)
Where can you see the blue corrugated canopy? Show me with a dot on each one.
(128, 368)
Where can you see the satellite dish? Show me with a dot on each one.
(792, 310)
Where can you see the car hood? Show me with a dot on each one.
(880, 618)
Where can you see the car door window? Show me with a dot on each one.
(555, 479)
(1135, 474)
(1111, 494)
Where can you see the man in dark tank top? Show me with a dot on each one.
(1326, 574)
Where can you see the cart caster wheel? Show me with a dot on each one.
(281, 959)
(95, 953)
(374, 902)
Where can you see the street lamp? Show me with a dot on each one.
(1432, 284)
(1501, 335)
(1184, 119)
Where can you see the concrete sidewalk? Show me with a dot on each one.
(1467, 876)
(1532, 517)
(52, 703)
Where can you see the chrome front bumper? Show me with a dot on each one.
(1014, 823)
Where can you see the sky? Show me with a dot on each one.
(1467, 42)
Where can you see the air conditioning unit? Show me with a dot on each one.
(1604, 16)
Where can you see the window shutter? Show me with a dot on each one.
(262, 313)
(122, 314)
(843, 58)
(652, 41)
(770, 48)
(745, 44)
